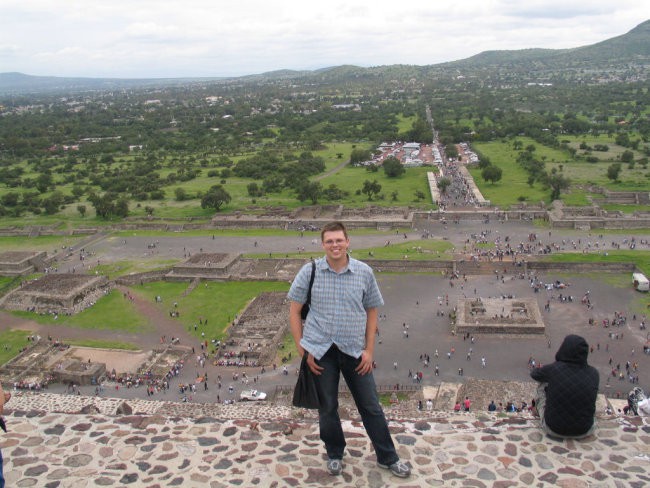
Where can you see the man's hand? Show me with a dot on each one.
(313, 367)
(3, 399)
(365, 365)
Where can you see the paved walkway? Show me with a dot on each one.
(175, 444)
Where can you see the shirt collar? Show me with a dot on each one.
(324, 265)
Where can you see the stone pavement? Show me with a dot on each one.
(159, 444)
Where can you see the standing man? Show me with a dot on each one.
(566, 401)
(339, 338)
(4, 398)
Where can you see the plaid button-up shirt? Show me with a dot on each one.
(338, 306)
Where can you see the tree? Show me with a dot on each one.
(103, 205)
(421, 131)
(333, 193)
(10, 199)
(215, 197)
(492, 174)
(106, 206)
(157, 195)
(310, 190)
(53, 202)
(371, 188)
(360, 155)
(557, 182)
(254, 190)
(82, 210)
(392, 167)
(622, 139)
(451, 151)
(43, 182)
(443, 184)
(484, 161)
(149, 210)
(272, 184)
(77, 191)
(181, 194)
(627, 156)
(613, 170)
(122, 207)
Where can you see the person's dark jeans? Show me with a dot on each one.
(364, 392)
(2, 477)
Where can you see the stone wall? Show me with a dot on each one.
(410, 266)
(257, 333)
(546, 267)
(136, 279)
(18, 263)
(57, 294)
(205, 265)
(286, 269)
(507, 215)
(79, 372)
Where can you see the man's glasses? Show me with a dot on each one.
(332, 242)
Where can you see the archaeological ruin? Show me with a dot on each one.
(57, 294)
(498, 316)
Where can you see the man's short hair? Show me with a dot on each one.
(333, 227)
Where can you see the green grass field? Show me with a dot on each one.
(50, 244)
(513, 184)
(111, 312)
(12, 341)
(640, 258)
(351, 179)
(103, 344)
(504, 193)
(421, 250)
(123, 268)
(216, 301)
(334, 154)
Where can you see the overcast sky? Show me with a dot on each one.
(188, 38)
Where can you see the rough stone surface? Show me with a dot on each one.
(51, 444)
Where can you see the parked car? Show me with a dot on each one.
(252, 395)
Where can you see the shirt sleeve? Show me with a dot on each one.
(300, 285)
(540, 374)
(372, 297)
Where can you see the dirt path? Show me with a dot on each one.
(161, 322)
(335, 169)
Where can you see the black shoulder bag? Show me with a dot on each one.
(305, 394)
(305, 308)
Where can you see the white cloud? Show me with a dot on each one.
(216, 38)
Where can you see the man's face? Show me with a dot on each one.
(336, 245)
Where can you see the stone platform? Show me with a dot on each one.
(499, 316)
(257, 445)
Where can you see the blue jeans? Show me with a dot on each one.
(2, 477)
(364, 392)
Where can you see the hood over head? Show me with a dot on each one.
(574, 349)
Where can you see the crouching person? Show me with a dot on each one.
(566, 396)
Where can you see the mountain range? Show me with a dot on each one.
(625, 52)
